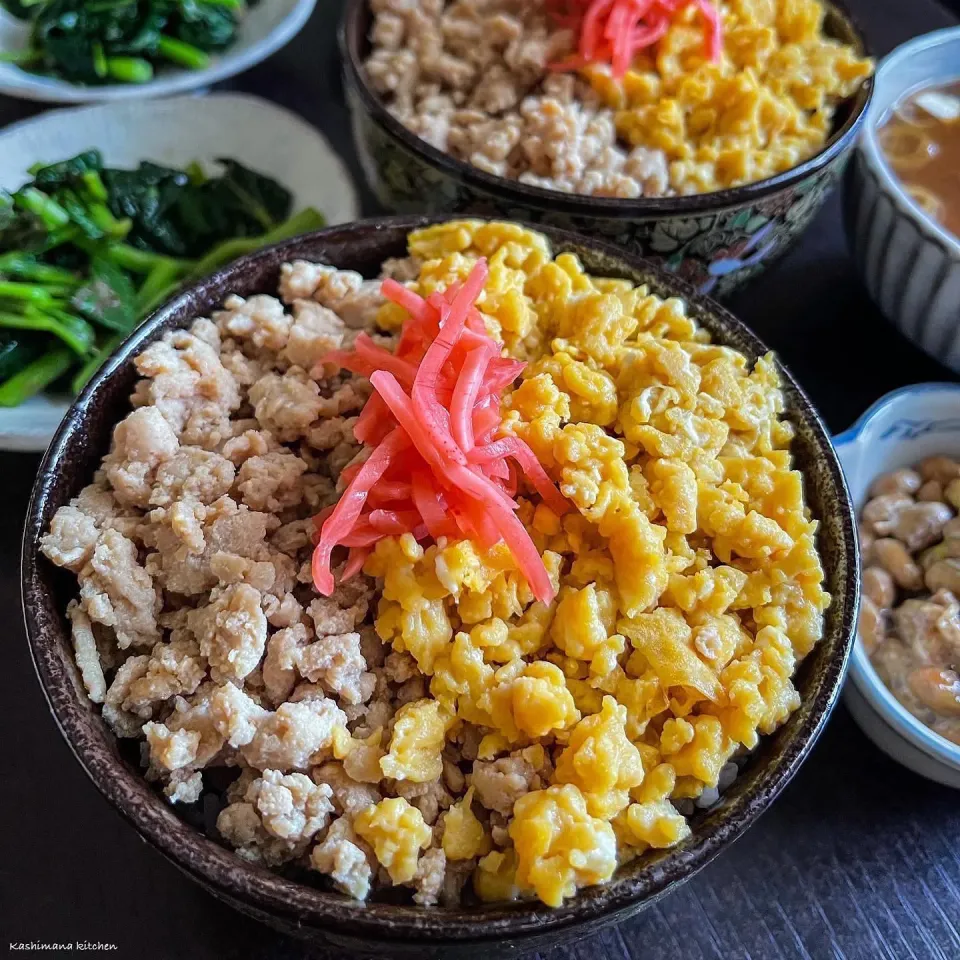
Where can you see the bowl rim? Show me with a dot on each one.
(862, 672)
(869, 143)
(590, 206)
(259, 889)
(886, 738)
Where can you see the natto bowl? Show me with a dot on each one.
(306, 908)
(899, 430)
(716, 241)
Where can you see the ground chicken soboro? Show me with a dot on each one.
(430, 724)
(472, 78)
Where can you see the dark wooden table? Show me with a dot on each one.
(858, 859)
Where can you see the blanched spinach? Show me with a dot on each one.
(146, 196)
(207, 26)
(179, 217)
(63, 173)
(120, 41)
(86, 252)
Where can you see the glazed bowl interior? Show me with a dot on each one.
(838, 24)
(84, 437)
(930, 60)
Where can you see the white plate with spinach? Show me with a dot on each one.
(76, 52)
(105, 211)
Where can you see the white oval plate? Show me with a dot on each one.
(260, 135)
(265, 29)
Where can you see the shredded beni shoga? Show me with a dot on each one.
(583, 572)
(434, 468)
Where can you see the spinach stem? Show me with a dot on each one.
(159, 282)
(182, 54)
(35, 376)
(25, 267)
(195, 172)
(140, 261)
(302, 222)
(42, 206)
(129, 69)
(77, 334)
(94, 363)
(95, 185)
(60, 236)
(100, 214)
(25, 57)
(15, 290)
(100, 67)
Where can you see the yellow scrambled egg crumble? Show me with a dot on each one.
(418, 738)
(689, 580)
(464, 836)
(765, 107)
(397, 832)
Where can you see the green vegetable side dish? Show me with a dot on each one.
(122, 41)
(88, 252)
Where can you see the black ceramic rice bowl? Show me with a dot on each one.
(311, 911)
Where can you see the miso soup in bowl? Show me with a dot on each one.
(902, 194)
(920, 139)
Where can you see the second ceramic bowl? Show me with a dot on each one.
(899, 430)
(909, 264)
(392, 929)
(715, 241)
(265, 29)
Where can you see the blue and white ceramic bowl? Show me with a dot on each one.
(899, 430)
(909, 264)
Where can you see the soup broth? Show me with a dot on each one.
(921, 141)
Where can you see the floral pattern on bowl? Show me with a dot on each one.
(719, 253)
(717, 242)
